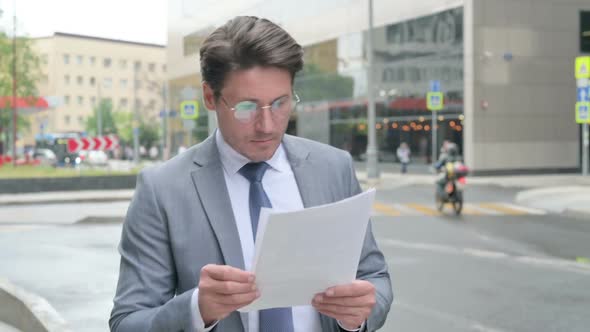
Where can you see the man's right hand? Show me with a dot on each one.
(224, 289)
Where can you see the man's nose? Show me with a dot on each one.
(264, 120)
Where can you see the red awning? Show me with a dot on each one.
(24, 103)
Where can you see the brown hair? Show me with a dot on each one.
(245, 42)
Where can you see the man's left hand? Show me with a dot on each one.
(350, 304)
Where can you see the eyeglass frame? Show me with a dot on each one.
(294, 97)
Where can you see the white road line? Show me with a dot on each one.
(553, 263)
(446, 317)
(525, 209)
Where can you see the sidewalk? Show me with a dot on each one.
(573, 200)
(558, 193)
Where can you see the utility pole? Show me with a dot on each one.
(135, 118)
(372, 166)
(14, 112)
(99, 110)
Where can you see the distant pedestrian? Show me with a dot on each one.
(403, 154)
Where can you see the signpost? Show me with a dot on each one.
(434, 102)
(583, 106)
(107, 143)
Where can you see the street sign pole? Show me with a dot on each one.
(434, 138)
(585, 149)
(372, 160)
(582, 74)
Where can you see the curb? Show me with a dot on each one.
(27, 311)
(88, 196)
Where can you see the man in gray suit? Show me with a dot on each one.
(188, 239)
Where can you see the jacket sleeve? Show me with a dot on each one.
(373, 268)
(145, 299)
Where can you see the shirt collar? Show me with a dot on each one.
(233, 161)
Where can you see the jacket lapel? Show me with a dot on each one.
(212, 190)
(305, 171)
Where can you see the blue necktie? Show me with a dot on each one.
(276, 319)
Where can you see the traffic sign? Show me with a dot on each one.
(189, 109)
(435, 101)
(434, 86)
(583, 112)
(583, 67)
(109, 142)
(583, 94)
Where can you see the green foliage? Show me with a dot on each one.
(105, 107)
(314, 85)
(27, 73)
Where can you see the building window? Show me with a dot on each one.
(81, 120)
(67, 79)
(45, 59)
(80, 80)
(164, 68)
(92, 60)
(123, 102)
(137, 103)
(67, 100)
(123, 64)
(93, 101)
(107, 62)
(107, 83)
(67, 119)
(152, 104)
(80, 100)
(66, 59)
(137, 65)
(79, 59)
(137, 84)
(152, 67)
(123, 83)
(92, 81)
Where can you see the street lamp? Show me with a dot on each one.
(372, 166)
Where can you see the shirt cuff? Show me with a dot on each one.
(345, 329)
(198, 324)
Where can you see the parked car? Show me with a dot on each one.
(94, 157)
(45, 157)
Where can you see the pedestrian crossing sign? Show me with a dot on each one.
(189, 109)
(583, 112)
(583, 67)
(435, 101)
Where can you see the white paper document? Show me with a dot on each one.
(301, 253)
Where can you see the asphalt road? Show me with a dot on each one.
(500, 267)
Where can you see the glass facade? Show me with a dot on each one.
(407, 57)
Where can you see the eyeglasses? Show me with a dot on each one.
(246, 111)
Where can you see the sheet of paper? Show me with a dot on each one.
(301, 253)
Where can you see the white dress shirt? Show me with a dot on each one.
(282, 190)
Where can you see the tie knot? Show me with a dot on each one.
(254, 171)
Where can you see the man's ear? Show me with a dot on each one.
(209, 97)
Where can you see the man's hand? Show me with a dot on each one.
(224, 289)
(350, 304)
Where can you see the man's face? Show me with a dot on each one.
(258, 137)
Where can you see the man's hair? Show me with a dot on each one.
(245, 42)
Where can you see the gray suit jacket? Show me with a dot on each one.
(180, 219)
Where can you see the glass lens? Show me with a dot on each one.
(245, 110)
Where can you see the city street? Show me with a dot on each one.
(500, 267)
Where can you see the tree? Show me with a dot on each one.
(27, 74)
(149, 134)
(312, 84)
(105, 107)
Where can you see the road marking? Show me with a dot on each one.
(424, 209)
(528, 210)
(386, 209)
(445, 316)
(20, 228)
(554, 263)
(503, 209)
(473, 209)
